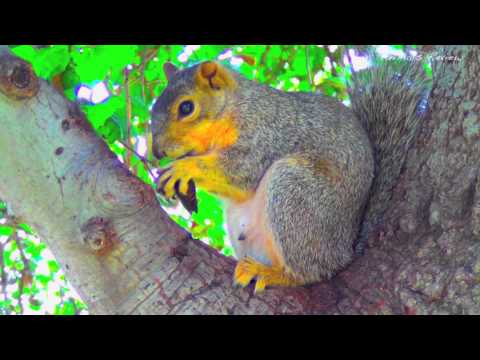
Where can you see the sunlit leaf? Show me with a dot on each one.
(53, 266)
(6, 230)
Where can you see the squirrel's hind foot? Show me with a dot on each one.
(247, 269)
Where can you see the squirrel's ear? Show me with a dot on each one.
(169, 69)
(214, 76)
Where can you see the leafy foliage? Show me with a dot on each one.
(31, 279)
(116, 86)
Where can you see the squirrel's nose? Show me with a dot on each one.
(158, 153)
(157, 147)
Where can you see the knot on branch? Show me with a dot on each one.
(17, 79)
(99, 235)
(76, 119)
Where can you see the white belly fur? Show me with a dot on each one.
(250, 219)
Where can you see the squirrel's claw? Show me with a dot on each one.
(173, 175)
(244, 272)
(247, 269)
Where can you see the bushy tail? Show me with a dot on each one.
(390, 99)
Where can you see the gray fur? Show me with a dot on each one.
(390, 100)
(315, 220)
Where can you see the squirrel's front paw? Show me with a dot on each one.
(176, 173)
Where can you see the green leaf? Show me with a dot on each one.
(16, 294)
(33, 249)
(110, 131)
(304, 85)
(99, 113)
(181, 221)
(6, 257)
(209, 52)
(199, 231)
(6, 230)
(26, 52)
(154, 69)
(68, 308)
(317, 58)
(51, 61)
(94, 63)
(80, 305)
(70, 78)
(143, 174)
(300, 64)
(65, 308)
(216, 241)
(43, 279)
(35, 305)
(86, 66)
(46, 62)
(19, 265)
(26, 228)
(228, 251)
(70, 94)
(53, 266)
(165, 161)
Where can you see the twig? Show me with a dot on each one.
(129, 117)
(309, 71)
(26, 266)
(76, 311)
(148, 54)
(264, 55)
(26, 262)
(140, 157)
(3, 278)
(332, 60)
(350, 62)
(263, 59)
(142, 73)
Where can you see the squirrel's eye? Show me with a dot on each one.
(186, 108)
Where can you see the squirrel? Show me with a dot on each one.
(302, 175)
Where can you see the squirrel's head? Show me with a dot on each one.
(194, 115)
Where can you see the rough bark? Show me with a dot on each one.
(124, 256)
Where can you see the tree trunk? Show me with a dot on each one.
(125, 256)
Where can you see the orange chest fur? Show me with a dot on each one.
(208, 135)
(208, 138)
